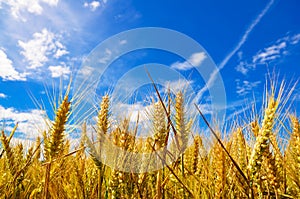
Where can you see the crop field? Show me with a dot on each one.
(257, 158)
(133, 99)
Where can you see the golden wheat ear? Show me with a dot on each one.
(54, 142)
(56, 134)
(292, 158)
(102, 129)
(262, 141)
(222, 145)
(260, 152)
(9, 152)
(103, 116)
(159, 126)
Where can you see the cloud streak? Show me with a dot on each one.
(246, 34)
(244, 38)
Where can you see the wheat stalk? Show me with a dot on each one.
(262, 141)
(54, 144)
(9, 151)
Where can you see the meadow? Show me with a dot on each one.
(259, 156)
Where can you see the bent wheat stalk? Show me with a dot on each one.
(222, 145)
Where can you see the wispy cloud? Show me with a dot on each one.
(32, 6)
(2, 95)
(58, 71)
(44, 44)
(106, 57)
(237, 111)
(195, 59)
(246, 34)
(7, 70)
(31, 123)
(46, 40)
(297, 96)
(86, 71)
(244, 38)
(176, 86)
(244, 67)
(295, 39)
(123, 42)
(245, 87)
(269, 54)
(134, 111)
(93, 5)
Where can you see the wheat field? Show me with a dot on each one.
(253, 159)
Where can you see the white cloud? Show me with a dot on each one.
(51, 2)
(245, 87)
(106, 57)
(295, 39)
(86, 71)
(43, 45)
(246, 34)
(2, 95)
(7, 71)
(273, 52)
(195, 59)
(133, 110)
(86, 4)
(58, 71)
(93, 5)
(60, 52)
(27, 143)
(32, 6)
(31, 123)
(176, 86)
(122, 42)
(244, 67)
(269, 54)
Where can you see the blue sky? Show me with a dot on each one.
(42, 41)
